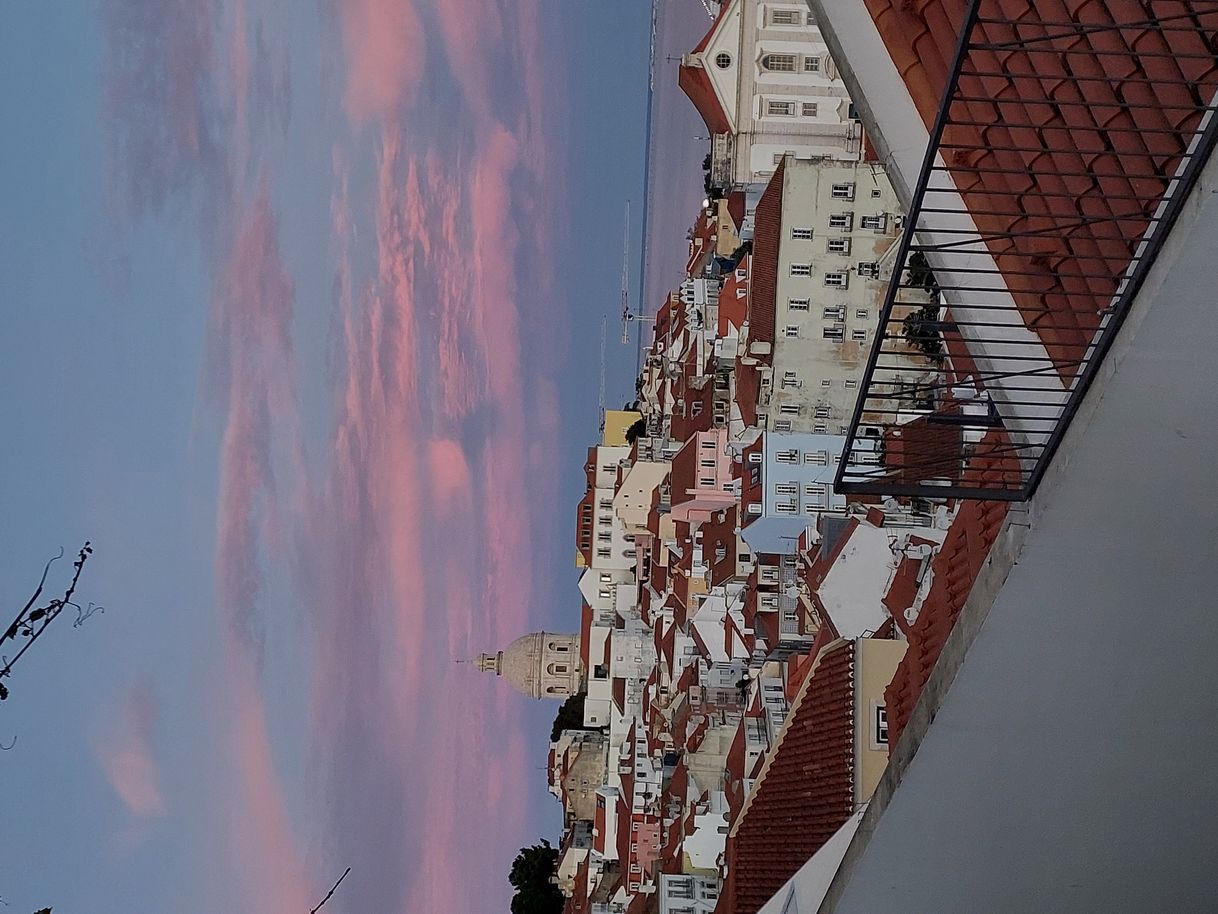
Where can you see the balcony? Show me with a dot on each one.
(1058, 163)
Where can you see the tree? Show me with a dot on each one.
(570, 716)
(531, 873)
(33, 621)
(637, 430)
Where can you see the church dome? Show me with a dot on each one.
(521, 664)
(540, 665)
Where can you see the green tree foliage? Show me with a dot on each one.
(570, 716)
(530, 876)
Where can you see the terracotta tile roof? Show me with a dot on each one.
(733, 298)
(696, 84)
(806, 791)
(1119, 107)
(953, 570)
(763, 285)
(748, 389)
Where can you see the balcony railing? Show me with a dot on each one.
(1060, 158)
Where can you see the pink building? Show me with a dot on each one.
(701, 477)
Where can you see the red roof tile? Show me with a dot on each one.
(763, 285)
(696, 84)
(806, 791)
(953, 570)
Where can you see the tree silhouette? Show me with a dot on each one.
(33, 621)
(531, 873)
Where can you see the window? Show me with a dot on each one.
(789, 376)
(797, 304)
(825, 382)
(808, 109)
(834, 314)
(754, 508)
(876, 192)
(788, 456)
(801, 234)
(881, 725)
(858, 334)
(792, 330)
(843, 221)
(801, 269)
(786, 488)
(837, 279)
(604, 553)
(850, 384)
(811, 64)
(782, 425)
(780, 109)
(862, 314)
(819, 428)
(786, 507)
(869, 268)
(779, 63)
(755, 457)
(818, 458)
(789, 409)
(723, 60)
(832, 333)
(785, 17)
(815, 488)
(822, 412)
(843, 191)
(877, 222)
(839, 245)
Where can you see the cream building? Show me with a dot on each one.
(540, 665)
(765, 85)
(838, 223)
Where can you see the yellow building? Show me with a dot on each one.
(616, 423)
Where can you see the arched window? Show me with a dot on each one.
(778, 63)
(556, 669)
(560, 648)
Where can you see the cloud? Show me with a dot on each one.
(125, 752)
(249, 377)
(385, 52)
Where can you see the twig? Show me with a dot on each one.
(330, 893)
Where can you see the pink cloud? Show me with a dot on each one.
(385, 50)
(126, 755)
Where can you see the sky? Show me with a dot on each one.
(301, 309)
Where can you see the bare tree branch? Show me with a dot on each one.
(330, 893)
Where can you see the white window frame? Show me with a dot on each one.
(808, 109)
(785, 17)
(841, 221)
(797, 304)
(779, 108)
(837, 279)
(801, 269)
(801, 233)
(842, 191)
(876, 222)
(838, 246)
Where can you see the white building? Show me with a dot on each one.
(688, 894)
(765, 85)
(601, 538)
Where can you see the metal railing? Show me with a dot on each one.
(1060, 157)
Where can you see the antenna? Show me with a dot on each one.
(604, 323)
(626, 316)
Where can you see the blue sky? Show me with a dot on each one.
(301, 311)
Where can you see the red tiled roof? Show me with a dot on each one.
(806, 791)
(748, 389)
(1127, 98)
(733, 299)
(953, 571)
(696, 84)
(763, 281)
